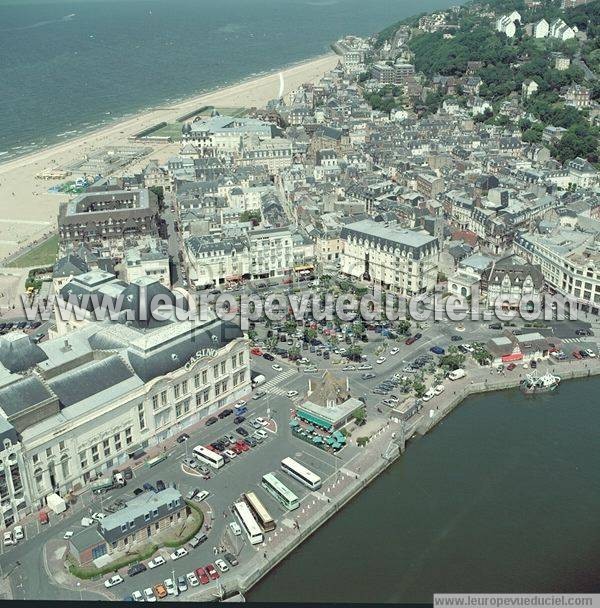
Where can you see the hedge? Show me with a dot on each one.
(88, 572)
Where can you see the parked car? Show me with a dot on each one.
(212, 572)
(268, 357)
(277, 367)
(160, 485)
(137, 596)
(8, 539)
(394, 351)
(170, 586)
(149, 487)
(221, 565)
(226, 412)
(510, 367)
(211, 421)
(438, 350)
(231, 559)
(456, 338)
(202, 576)
(182, 584)
(577, 354)
(183, 437)
(250, 441)
(235, 528)
(261, 433)
(192, 579)
(136, 569)
(201, 495)
(178, 554)
(190, 462)
(117, 579)
(159, 560)
(380, 360)
(19, 533)
(239, 419)
(149, 595)
(68, 534)
(242, 431)
(197, 540)
(159, 591)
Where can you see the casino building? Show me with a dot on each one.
(83, 403)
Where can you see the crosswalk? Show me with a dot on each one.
(570, 340)
(272, 387)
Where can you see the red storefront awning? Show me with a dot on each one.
(513, 357)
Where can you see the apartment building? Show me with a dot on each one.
(570, 263)
(398, 259)
(215, 260)
(105, 220)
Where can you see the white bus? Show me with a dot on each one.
(208, 457)
(265, 521)
(302, 474)
(248, 523)
(280, 492)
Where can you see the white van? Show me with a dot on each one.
(456, 374)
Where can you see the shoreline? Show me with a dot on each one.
(28, 210)
(161, 106)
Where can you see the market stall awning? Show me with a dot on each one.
(314, 419)
(512, 357)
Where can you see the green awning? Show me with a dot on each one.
(336, 446)
(293, 423)
(314, 419)
(330, 440)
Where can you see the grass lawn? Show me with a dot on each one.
(43, 254)
(172, 129)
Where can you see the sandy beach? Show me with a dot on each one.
(28, 211)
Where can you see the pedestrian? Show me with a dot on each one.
(265, 555)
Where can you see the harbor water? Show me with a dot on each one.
(502, 496)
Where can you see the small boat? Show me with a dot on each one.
(539, 384)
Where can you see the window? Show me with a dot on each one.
(155, 513)
(223, 367)
(184, 387)
(205, 377)
(217, 390)
(123, 527)
(224, 383)
(141, 417)
(206, 395)
(163, 398)
(146, 516)
(241, 358)
(36, 458)
(83, 460)
(131, 524)
(48, 452)
(215, 371)
(197, 381)
(105, 443)
(176, 389)
(198, 399)
(235, 379)
(242, 375)
(155, 402)
(233, 361)
(186, 406)
(177, 410)
(128, 437)
(61, 445)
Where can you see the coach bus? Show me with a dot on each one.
(265, 521)
(300, 473)
(280, 492)
(248, 523)
(209, 457)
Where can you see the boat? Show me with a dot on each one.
(533, 383)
